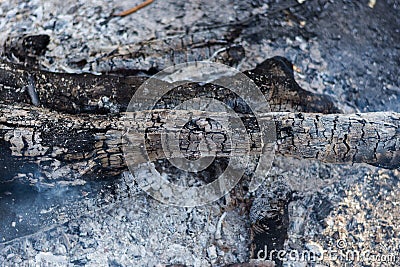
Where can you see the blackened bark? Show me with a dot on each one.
(88, 93)
(94, 142)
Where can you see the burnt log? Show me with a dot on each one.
(101, 94)
(93, 143)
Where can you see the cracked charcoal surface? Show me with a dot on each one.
(342, 48)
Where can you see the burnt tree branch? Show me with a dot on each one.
(88, 93)
(94, 142)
